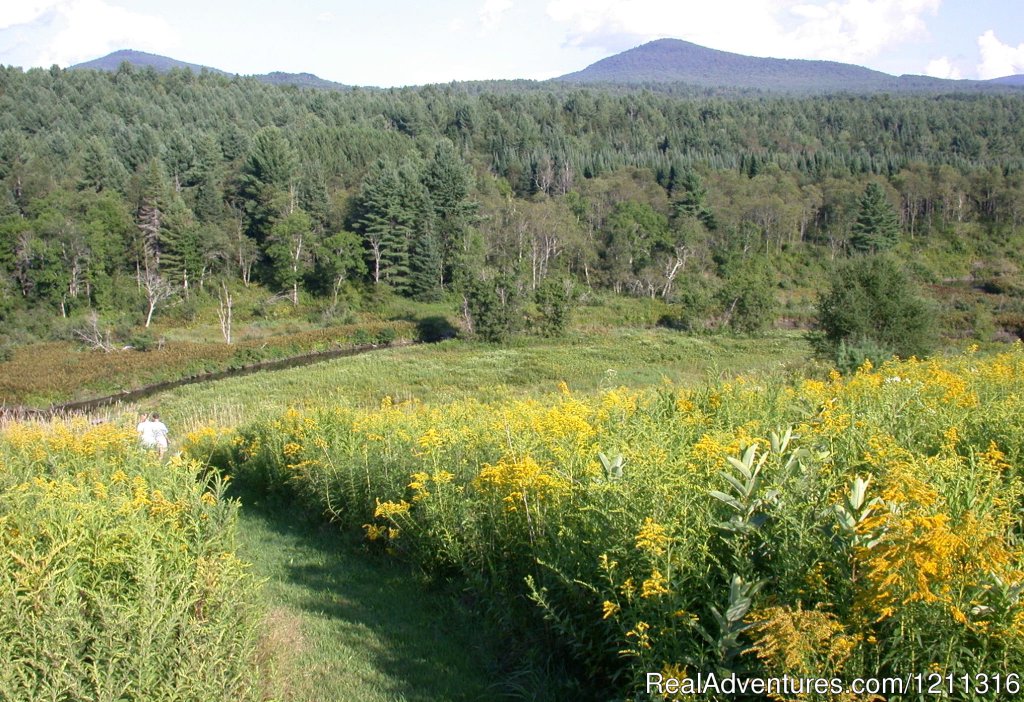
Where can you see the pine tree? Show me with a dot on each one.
(877, 227)
(99, 169)
(425, 267)
(207, 191)
(448, 179)
(181, 247)
(268, 172)
(153, 196)
(691, 199)
(554, 303)
(386, 226)
(492, 307)
(394, 217)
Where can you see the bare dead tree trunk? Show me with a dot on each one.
(225, 304)
(466, 316)
(157, 290)
(296, 258)
(375, 248)
(93, 336)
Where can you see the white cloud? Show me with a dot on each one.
(493, 11)
(19, 13)
(810, 11)
(66, 32)
(857, 30)
(839, 30)
(999, 59)
(942, 68)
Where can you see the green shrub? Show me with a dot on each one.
(748, 302)
(435, 328)
(142, 341)
(691, 310)
(385, 336)
(872, 303)
(851, 355)
(493, 307)
(554, 299)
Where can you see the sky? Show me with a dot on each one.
(413, 42)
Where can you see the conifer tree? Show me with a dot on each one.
(877, 227)
(267, 174)
(99, 169)
(448, 179)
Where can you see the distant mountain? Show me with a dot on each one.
(1009, 80)
(162, 64)
(665, 62)
(302, 80)
(677, 61)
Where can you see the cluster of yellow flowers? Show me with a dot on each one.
(521, 483)
(936, 444)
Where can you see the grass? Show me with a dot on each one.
(455, 370)
(57, 371)
(356, 625)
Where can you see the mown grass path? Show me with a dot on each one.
(344, 625)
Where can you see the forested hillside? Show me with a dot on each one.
(125, 188)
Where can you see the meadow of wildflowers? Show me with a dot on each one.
(852, 526)
(118, 579)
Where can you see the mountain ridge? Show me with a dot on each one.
(678, 61)
(163, 64)
(658, 63)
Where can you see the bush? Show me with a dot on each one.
(493, 308)
(871, 304)
(691, 311)
(849, 356)
(385, 336)
(142, 341)
(748, 302)
(554, 300)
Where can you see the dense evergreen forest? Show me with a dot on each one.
(123, 189)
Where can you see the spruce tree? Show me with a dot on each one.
(877, 227)
(268, 172)
(449, 180)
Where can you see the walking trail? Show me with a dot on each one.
(345, 625)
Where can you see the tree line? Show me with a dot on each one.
(120, 188)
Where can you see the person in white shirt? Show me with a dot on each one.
(153, 434)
